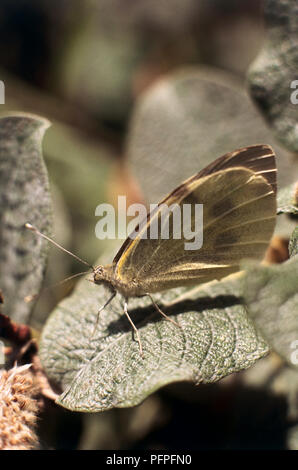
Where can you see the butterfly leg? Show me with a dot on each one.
(101, 309)
(162, 313)
(134, 328)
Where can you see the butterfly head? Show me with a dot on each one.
(102, 274)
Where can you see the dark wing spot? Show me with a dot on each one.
(226, 238)
(221, 207)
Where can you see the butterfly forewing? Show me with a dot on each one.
(239, 207)
(258, 158)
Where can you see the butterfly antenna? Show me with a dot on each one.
(29, 298)
(34, 229)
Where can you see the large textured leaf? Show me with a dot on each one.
(187, 120)
(271, 296)
(24, 197)
(273, 75)
(107, 371)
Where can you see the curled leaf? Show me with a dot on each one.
(24, 197)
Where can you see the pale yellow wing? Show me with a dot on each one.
(239, 207)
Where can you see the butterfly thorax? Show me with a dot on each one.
(106, 275)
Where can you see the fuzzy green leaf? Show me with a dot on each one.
(273, 75)
(271, 296)
(24, 197)
(106, 370)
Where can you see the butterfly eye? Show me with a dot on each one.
(98, 274)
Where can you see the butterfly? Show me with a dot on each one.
(238, 193)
